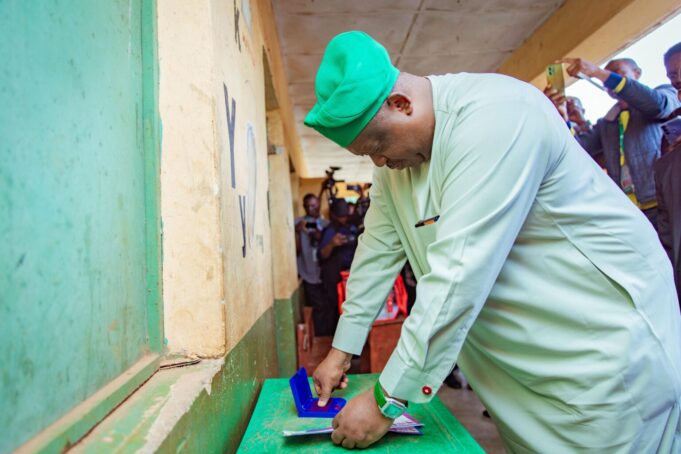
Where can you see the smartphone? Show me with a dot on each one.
(555, 77)
(672, 129)
(311, 225)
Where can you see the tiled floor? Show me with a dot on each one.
(468, 410)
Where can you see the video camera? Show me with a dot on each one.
(329, 184)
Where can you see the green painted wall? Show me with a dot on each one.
(78, 204)
(287, 313)
(217, 421)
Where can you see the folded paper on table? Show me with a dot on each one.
(405, 424)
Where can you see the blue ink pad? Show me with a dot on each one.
(308, 406)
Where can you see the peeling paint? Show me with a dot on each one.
(182, 395)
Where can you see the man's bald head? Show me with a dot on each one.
(400, 135)
(625, 67)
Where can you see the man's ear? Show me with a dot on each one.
(400, 102)
(638, 73)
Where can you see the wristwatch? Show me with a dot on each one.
(390, 408)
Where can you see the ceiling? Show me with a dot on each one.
(422, 37)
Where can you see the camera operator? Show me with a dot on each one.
(336, 251)
(361, 206)
(308, 233)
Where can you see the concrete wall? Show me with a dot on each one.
(192, 262)
(284, 273)
(219, 246)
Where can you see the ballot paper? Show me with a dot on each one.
(405, 424)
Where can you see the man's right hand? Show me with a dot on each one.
(339, 240)
(330, 374)
(300, 226)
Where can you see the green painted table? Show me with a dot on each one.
(275, 411)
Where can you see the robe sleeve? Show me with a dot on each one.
(494, 161)
(378, 259)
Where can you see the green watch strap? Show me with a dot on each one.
(378, 394)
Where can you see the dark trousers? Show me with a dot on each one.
(314, 294)
(651, 214)
(316, 298)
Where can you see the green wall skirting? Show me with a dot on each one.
(287, 314)
(217, 421)
(204, 408)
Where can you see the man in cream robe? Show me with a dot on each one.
(535, 273)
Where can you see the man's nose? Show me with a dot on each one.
(379, 161)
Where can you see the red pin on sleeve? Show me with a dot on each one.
(427, 390)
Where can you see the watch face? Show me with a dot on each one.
(390, 410)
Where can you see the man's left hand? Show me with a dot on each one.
(558, 100)
(360, 423)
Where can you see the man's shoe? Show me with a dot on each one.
(453, 381)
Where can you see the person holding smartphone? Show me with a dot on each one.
(336, 251)
(628, 136)
(308, 231)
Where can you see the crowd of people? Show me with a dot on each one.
(629, 141)
(325, 248)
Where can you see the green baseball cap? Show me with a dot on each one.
(353, 79)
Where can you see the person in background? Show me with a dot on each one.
(336, 251)
(308, 233)
(352, 208)
(668, 179)
(672, 63)
(577, 122)
(629, 135)
(575, 115)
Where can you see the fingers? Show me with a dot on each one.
(324, 395)
(554, 95)
(337, 437)
(572, 65)
(363, 444)
(348, 443)
(317, 386)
